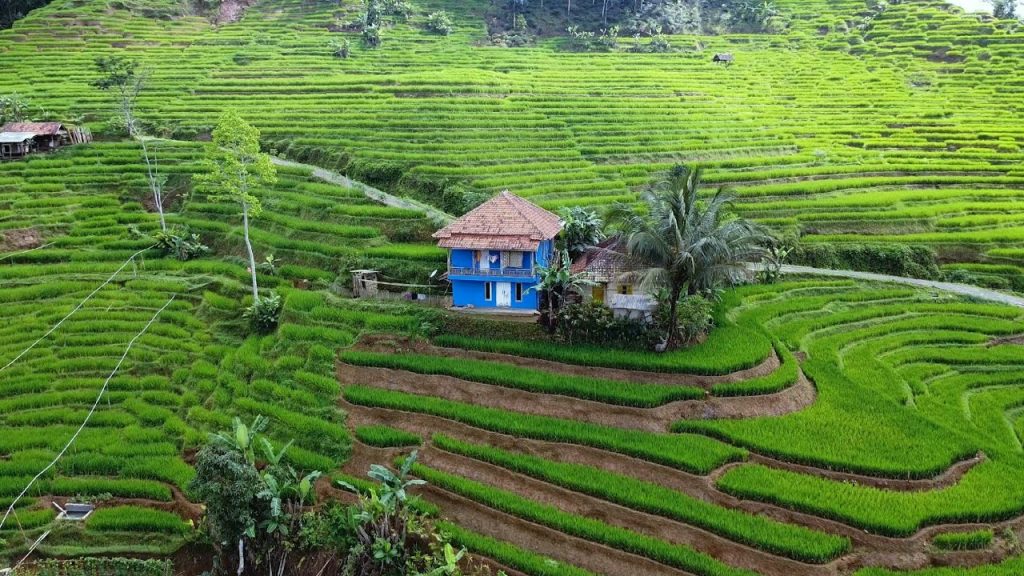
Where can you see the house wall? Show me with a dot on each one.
(468, 290)
(466, 258)
(611, 288)
(471, 292)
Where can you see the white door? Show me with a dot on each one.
(504, 295)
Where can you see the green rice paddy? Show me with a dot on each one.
(854, 125)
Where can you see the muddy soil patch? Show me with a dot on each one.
(232, 10)
(20, 239)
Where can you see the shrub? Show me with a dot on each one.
(584, 41)
(439, 23)
(695, 319)
(594, 323)
(892, 259)
(264, 314)
(371, 36)
(340, 48)
(182, 243)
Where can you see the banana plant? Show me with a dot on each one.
(243, 438)
(451, 563)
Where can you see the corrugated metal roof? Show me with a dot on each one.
(36, 128)
(15, 137)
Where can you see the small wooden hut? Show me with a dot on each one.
(16, 144)
(364, 283)
(723, 58)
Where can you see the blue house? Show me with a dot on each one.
(495, 250)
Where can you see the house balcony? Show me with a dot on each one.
(492, 272)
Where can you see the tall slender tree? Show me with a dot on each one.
(235, 169)
(128, 80)
(685, 244)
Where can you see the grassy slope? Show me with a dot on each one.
(844, 117)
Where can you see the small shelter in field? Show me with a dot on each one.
(47, 135)
(364, 283)
(616, 280)
(16, 144)
(723, 58)
(495, 253)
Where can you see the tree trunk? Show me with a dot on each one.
(154, 182)
(673, 318)
(252, 258)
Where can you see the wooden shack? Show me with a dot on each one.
(364, 283)
(16, 144)
(48, 136)
(723, 58)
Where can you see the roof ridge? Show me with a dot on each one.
(505, 214)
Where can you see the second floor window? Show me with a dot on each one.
(511, 259)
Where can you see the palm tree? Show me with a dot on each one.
(684, 244)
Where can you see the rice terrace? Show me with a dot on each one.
(520, 287)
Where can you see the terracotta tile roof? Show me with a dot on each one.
(605, 262)
(505, 222)
(37, 128)
(490, 242)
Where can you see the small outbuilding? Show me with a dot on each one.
(723, 58)
(48, 136)
(364, 283)
(615, 280)
(16, 144)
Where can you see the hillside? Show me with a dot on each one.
(899, 126)
(825, 427)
